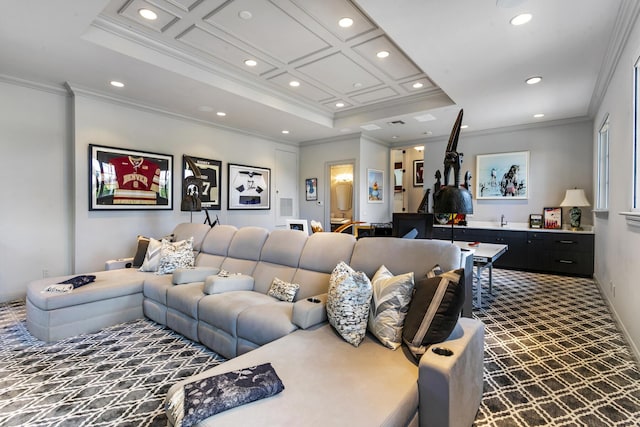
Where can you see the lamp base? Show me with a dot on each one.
(575, 215)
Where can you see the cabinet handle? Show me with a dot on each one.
(564, 261)
(566, 242)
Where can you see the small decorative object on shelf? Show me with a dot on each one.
(552, 218)
(535, 221)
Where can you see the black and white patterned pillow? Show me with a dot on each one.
(348, 301)
(175, 255)
(282, 290)
(389, 306)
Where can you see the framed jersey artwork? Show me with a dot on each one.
(210, 179)
(122, 179)
(249, 187)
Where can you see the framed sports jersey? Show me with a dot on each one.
(122, 179)
(249, 187)
(210, 177)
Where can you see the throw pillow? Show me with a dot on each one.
(175, 255)
(434, 310)
(348, 300)
(284, 291)
(389, 306)
(152, 257)
(142, 250)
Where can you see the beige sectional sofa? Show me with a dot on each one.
(327, 381)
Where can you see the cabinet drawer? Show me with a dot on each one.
(572, 243)
(571, 262)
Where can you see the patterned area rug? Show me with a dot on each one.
(116, 377)
(553, 357)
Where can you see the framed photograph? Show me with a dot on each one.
(418, 173)
(375, 181)
(249, 187)
(298, 224)
(122, 179)
(311, 189)
(502, 176)
(211, 181)
(552, 218)
(535, 221)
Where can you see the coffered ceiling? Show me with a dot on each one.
(442, 56)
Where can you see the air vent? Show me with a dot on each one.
(395, 123)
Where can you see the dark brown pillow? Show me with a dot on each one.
(434, 310)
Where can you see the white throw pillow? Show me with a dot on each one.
(389, 306)
(175, 255)
(152, 257)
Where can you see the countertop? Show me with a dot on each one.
(518, 226)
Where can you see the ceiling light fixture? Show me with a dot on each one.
(394, 137)
(294, 83)
(533, 80)
(382, 54)
(148, 14)
(357, 85)
(221, 114)
(538, 116)
(339, 104)
(250, 62)
(115, 83)
(521, 19)
(464, 126)
(345, 22)
(286, 132)
(417, 85)
(245, 14)
(419, 148)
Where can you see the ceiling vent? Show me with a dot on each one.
(396, 123)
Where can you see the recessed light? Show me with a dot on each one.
(221, 113)
(538, 116)
(533, 80)
(394, 137)
(464, 126)
(345, 22)
(148, 14)
(419, 148)
(286, 132)
(523, 18)
(382, 54)
(294, 83)
(339, 104)
(115, 83)
(357, 85)
(417, 85)
(245, 14)
(250, 62)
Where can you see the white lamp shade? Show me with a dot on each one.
(575, 197)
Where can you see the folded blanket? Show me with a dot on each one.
(201, 399)
(70, 284)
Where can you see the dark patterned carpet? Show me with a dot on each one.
(553, 357)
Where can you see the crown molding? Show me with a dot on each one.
(43, 87)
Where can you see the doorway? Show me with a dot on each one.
(341, 193)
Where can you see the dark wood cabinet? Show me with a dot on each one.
(541, 251)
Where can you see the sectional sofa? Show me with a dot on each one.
(327, 380)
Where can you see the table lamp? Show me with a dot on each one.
(575, 198)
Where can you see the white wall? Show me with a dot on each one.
(616, 242)
(561, 157)
(35, 217)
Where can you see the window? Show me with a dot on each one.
(602, 189)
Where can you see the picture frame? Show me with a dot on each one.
(418, 173)
(311, 189)
(375, 186)
(249, 187)
(535, 221)
(126, 179)
(552, 218)
(210, 174)
(298, 224)
(502, 176)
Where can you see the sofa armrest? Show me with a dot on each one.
(117, 264)
(236, 282)
(310, 311)
(195, 274)
(450, 377)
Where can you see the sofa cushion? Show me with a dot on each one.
(389, 306)
(348, 301)
(175, 255)
(263, 323)
(284, 291)
(433, 311)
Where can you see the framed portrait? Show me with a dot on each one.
(375, 185)
(122, 179)
(311, 189)
(249, 187)
(502, 176)
(418, 173)
(552, 218)
(298, 224)
(211, 183)
(535, 221)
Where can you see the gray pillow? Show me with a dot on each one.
(348, 301)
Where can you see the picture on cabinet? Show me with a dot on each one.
(552, 218)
